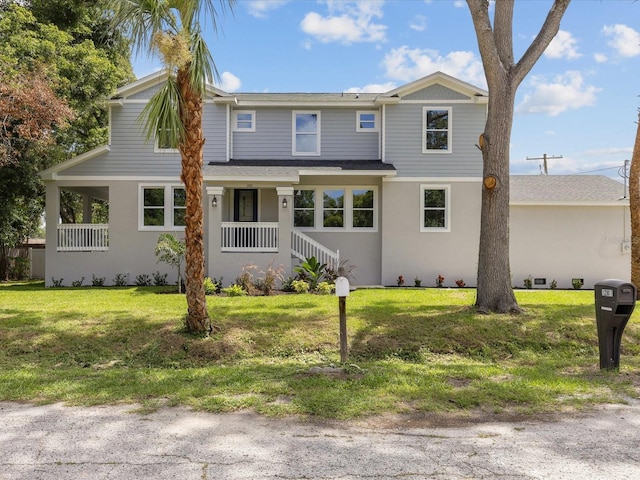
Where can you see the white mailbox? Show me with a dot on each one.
(342, 287)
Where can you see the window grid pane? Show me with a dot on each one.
(437, 130)
(434, 208)
(362, 208)
(333, 209)
(304, 204)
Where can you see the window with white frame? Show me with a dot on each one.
(306, 133)
(367, 121)
(164, 143)
(162, 207)
(435, 208)
(436, 130)
(244, 121)
(331, 208)
(304, 208)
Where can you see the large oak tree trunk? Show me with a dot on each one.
(191, 151)
(495, 291)
(634, 205)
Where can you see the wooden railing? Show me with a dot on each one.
(303, 247)
(83, 237)
(249, 237)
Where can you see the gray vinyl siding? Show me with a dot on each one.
(436, 92)
(273, 137)
(131, 155)
(403, 141)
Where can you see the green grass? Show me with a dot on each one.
(411, 351)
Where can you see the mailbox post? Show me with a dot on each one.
(342, 292)
(615, 301)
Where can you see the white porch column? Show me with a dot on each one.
(52, 216)
(215, 203)
(285, 221)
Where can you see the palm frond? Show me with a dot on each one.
(203, 69)
(161, 115)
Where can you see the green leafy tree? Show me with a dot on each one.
(171, 250)
(173, 30)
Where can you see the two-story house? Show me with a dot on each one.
(389, 182)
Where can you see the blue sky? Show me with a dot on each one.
(580, 101)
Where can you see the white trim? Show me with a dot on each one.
(438, 78)
(383, 135)
(215, 190)
(294, 133)
(168, 207)
(447, 208)
(284, 191)
(449, 149)
(347, 208)
(445, 102)
(558, 203)
(157, 149)
(234, 120)
(348, 173)
(433, 179)
(52, 173)
(376, 121)
(306, 105)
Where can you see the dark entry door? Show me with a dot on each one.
(245, 205)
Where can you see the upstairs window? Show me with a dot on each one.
(244, 121)
(436, 130)
(306, 133)
(162, 207)
(367, 121)
(164, 143)
(435, 208)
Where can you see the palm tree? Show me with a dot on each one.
(171, 29)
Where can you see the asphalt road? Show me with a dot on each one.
(69, 443)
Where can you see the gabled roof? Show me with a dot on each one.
(566, 190)
(51, 173)
(442, 79)
(154, 79)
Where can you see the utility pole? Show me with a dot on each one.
(545, 157)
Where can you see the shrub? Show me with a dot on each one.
(77, 283)
(57, 283)
(312, 271)
(554, 284)
(439, 281)
(210, 287)
(417, 282)
(528, 282)
(97, 281)
(18, 268)
(577, 283)
(287, 285)
(160, 279)
(325, 288)
(245, 280)
(235, 290)
(143, 280)
(120, 280)
(460, 283)
(300, 286)
(400, 281)
(271, 276)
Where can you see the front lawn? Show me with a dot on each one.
(411, 351)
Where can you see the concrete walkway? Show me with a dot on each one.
(65, 443)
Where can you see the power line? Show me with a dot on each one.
(544, 157)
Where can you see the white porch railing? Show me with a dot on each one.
(303, 247)
(83, 237)
(249, 237)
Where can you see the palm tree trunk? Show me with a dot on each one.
(634, 205)
(191, 151)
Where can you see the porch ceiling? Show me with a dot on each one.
(292, 170)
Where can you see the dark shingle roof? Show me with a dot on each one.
(565, 189)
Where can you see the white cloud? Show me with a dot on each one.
(563, 45)
(347, 22)
(419, 23)
(600, 57)
(261, 8)
(407, 64)
(459, 4)
(567, 91)
(230, 83)
(373, 88)
(624, 40)
(603, 152)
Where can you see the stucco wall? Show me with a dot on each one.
(411, 253)
(566, 242)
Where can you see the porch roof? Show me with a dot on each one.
(292, 170)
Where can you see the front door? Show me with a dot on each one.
(245, 205)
